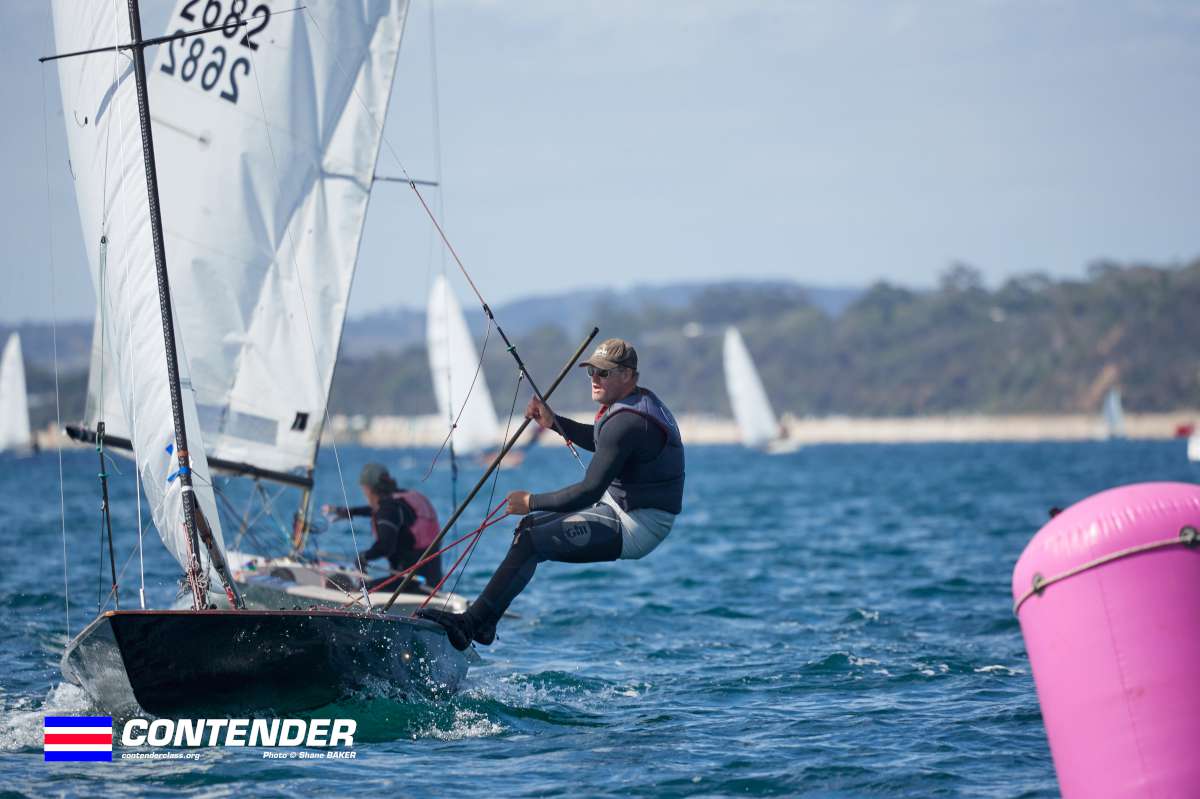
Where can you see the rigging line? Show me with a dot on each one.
(141, 532)
(268, 504)
(307, 320)
(62, 497)
(462, 408)
(114, 82)
(495, 479)
(232, 511)
(432, 218)
(124, 568)
(487, 522)
(436, 125)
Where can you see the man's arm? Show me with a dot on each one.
(618, 439)
(576, 432)
(581, 435)
(393, 535)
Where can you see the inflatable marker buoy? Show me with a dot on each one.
(1108, 597)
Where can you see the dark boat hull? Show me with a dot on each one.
(221, 662)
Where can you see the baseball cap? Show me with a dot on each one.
(612, 353)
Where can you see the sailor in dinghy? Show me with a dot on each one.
(623, 508)
(404, 523)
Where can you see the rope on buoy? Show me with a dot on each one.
(1187, 537)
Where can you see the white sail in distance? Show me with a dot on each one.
(1114, 416)
(15, 435)
(105, 146)
(452, 364)
(751, 408)
(266, 138)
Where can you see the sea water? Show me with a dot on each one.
(836, 623)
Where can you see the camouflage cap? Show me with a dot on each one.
(612, 353)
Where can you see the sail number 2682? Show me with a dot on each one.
(186, 57)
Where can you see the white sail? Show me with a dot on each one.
(105, 145)
(266, 146)
(1114, 416)
(15, 435)
(452, 363)
(751, 408)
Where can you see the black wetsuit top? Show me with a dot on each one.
(392, 523)
(623, 436)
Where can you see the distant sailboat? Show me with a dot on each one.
(15, 435)
(1114, 416)
(755, 418)
(453, 362)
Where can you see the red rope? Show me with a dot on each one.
(478, 534)
(488, 521)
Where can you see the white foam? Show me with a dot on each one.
(466, 724)
(998, 669)
(21, 725)
(857, 661)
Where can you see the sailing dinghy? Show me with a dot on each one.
(15, 434)
(755, 418)
(264, 227)
(201, 660)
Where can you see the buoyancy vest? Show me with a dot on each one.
(426, 526)
(658, 481)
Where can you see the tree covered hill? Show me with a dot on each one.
(1030, 345)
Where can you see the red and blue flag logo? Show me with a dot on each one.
(77, 738)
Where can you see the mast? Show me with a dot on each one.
(196, 580)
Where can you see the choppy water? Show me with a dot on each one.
(831, 623)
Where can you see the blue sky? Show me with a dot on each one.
(833, 142)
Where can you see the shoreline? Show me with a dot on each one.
(429, 430)
(398, 432)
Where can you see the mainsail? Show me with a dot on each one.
(14, 404)
(105, 144)
(266, 139)
(453, 364)
(751, 408)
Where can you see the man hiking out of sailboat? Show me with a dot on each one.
(623, 507)
(404, 523)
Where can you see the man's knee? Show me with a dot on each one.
(522, 543)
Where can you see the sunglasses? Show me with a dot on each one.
(601, 373)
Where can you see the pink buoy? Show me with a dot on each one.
(1108, 596)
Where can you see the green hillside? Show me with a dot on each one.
(1030, 345)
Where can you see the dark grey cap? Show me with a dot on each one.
(371, 474)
